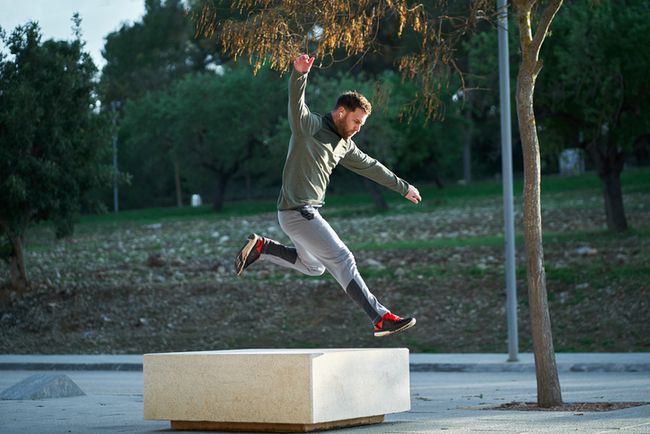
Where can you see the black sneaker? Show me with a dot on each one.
(390, 324)
(249, 253)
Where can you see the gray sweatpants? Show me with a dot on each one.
(319, 248)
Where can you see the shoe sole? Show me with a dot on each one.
(406, 326)
(244, 252)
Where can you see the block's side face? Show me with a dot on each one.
(228, 388)
(362, 383)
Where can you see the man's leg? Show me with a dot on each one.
(317, 246)
(311, 233)
(265, 249)
(304, 261)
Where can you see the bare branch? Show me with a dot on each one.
(544, 25)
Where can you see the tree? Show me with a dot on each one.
(529, 13)
(222, 121)
(593, 86)
(274, 32)
(212, 123)
(148, 56)
(148, 131)
(51, 140)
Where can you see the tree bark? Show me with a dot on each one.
(609, 165)
(17, 269)
(548, 385)
(377, 197)
(467, 156)
(219, 193)
(431, 163)
(614, 208)
(177, 183)
(467, 140)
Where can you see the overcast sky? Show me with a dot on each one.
(99, 18)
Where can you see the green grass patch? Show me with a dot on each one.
(494, 241)
(441, 243)
(633, 180)
(230, 209)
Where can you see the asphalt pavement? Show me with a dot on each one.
(450, 393)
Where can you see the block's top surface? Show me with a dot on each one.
(280, 351)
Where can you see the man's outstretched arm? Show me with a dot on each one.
(300, 118)
(361, 163)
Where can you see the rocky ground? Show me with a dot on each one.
(169, 286)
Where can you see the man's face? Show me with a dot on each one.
(349, 122)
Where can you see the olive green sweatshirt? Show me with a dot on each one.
(315, 148)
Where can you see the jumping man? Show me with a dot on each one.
(317, 145)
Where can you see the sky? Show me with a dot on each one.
(99, 18)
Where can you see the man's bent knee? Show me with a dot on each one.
(315, 270)
(346, 257)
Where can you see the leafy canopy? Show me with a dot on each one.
(50, 137)
(274, 32)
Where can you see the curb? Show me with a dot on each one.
(46, 366)
(420, 362)
(528, 367)
(413, 367)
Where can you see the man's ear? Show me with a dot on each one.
(340, 111)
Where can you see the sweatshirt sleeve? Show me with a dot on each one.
(359, 162)
(301, 120)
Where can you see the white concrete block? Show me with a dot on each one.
(281, 386)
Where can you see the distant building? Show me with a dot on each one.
(572, 162)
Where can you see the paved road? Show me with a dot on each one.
(449, 402)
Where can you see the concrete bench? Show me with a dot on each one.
(283, 390)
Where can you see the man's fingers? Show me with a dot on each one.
(305, 58)
(413, 195)
(303, 63)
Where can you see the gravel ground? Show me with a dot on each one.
(169, 286)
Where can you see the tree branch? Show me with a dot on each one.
(545, 24)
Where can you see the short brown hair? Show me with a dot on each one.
(352, 100)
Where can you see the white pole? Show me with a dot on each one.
(506, 169)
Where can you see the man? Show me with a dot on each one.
(317, 145)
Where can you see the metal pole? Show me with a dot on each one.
(114, 107)
(506, 168)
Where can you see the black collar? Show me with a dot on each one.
(329, 123)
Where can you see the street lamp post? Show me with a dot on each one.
(506, 169)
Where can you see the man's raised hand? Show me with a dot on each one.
(303, 63)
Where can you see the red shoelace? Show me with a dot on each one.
(259, 245)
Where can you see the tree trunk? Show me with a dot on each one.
(548, 385)
(177, 183)
(17, 268)
(609, 166)
(377, 197)
(222, 176)
(431, 162)
(467, 156)
(467, 142)
(614, 208)
(219, 193)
